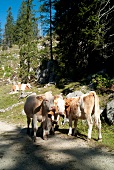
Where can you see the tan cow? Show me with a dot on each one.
(83, 107)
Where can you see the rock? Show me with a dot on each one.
(74, 94)
(11, 107)
(108, 113)
(46, 75)
(25, 94)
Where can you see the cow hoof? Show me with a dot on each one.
(88, 139)
(75, 134)
(52, 133)
(100, 140)
(56, 127)
(34, 140)
(69, 134)
(45, 137)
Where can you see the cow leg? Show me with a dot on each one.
(45, 129)
(35, 126)
(99, 129)
(65, 120)
(90, 125)
(28, 124)
(70, 126)
(75, 127)
(44, 132)
(52, 129)
(32, 133)
(57, 125)
(98, 124)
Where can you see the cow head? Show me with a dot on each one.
(69, 102)
(59, 104)
(75, 105)
(49, 101)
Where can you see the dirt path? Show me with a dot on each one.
(59, 152)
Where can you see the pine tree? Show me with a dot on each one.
(26, 37)
(28, 61)
(106, 17)
(26, 25)
(82, 28)
(45, 15)
(20, 25)
(9, 28)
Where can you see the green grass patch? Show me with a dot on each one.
(7, 99)
(106, 130)
(14, 116)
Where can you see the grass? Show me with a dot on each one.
(7, 99)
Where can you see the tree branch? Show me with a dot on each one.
(107, 12)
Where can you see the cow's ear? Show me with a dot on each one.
(39, 98)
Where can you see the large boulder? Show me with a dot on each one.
(108, 113)
(46, 75)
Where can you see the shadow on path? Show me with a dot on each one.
(59, 152)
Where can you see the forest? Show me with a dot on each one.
(80, 37)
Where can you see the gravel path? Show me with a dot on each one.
(59, 152)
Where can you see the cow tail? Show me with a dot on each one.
(96, 109)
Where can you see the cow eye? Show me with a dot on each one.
(46, 100)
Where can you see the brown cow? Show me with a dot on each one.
(83, 107)
(37, 108)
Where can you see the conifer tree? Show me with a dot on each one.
(26, 25)
(26, 37)
(83, 29)
(9, 28)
